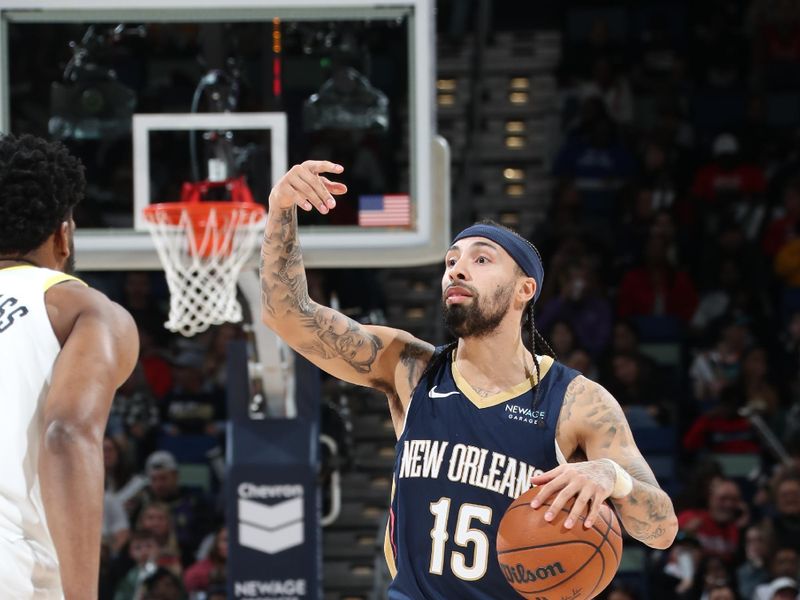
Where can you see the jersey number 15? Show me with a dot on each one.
(464, 536)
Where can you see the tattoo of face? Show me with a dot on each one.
(337, 336)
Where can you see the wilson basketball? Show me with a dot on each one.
(546, 560)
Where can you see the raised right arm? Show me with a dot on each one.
(387, 359)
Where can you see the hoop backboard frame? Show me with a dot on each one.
(346, 247)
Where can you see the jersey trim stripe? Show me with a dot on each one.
(60, 278)
(545, 362)
(388, 550)
(17, 268)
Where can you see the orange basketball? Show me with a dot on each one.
(546, 560)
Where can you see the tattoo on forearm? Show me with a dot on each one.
(647, 511)
(642, 530)
(284, 289)
(283, 277)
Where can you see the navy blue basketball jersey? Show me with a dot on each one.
(461, 460)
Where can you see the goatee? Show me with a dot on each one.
(474, 320)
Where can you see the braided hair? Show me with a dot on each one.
(535, 340)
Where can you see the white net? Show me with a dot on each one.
(202, 261)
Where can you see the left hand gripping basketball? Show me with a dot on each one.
(591, 481)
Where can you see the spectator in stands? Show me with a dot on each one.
(564, 218)
(787, 261)
(598, 41)
(599, 163)
(703, 473)
(134, 414)
(658, 288)
(157, 518)
(660, 62)
(719, 47)
(715, 369)
(194, 404)
(722, 430)
(562, 338)
(783, 524)
(188, 508)
(718, 298)
(120, 480)
(721, 592)
(775, 31)
(790, 353)
(717, 527)
(116, 528)
(760, 390)
(784, 566)
(784, 588)
(580, 360)
(612, 87)
(731, 188)
(660, 175)
(635, 384)
(144, 552)
(624, 337)
(633, 228)
(753, 571)
(712, 575)
(676, 579)
(157, 369)
(216, 361)
(163, 585)
(205, 571)
(139, 300)
(783, 226)
(583, 304)
(568, 250)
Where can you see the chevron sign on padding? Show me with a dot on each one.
(271, 529)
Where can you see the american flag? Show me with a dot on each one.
(384, 211)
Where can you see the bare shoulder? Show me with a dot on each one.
(415, 355)
(69, 301)
(590, 413)
(408, 357)
(412, 355)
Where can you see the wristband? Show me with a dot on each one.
(623, 482)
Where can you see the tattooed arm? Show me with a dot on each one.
(387, 359)
(592, 422)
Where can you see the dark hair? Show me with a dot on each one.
(40, 184)
(534, 341)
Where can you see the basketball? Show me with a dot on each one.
(546, 560)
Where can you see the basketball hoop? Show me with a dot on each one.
(203, 246)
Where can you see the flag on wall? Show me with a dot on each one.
(384, 211)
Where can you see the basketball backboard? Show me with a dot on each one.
(296, 63)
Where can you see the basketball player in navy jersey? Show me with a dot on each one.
(478, 421)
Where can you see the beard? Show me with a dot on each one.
(474, 319)
(69, 264)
